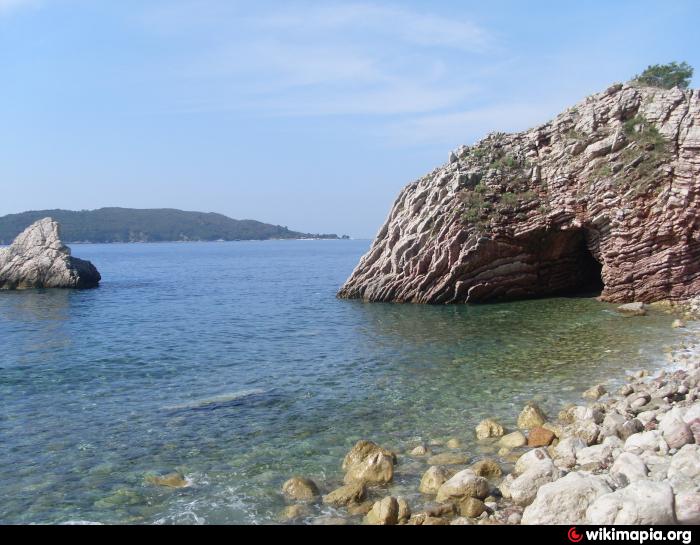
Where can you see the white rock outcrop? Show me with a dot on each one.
(38, 259)
(566, 500)
(642, 502)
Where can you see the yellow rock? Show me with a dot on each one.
(171, 480)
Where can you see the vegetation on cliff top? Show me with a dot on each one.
(156, 225)
(666, 76)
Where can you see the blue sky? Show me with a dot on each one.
(299, 113)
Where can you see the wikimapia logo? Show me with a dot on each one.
(637, 536)
(574, 536)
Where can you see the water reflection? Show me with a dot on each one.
(37, 321)
(37, 305)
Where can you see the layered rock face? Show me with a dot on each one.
(604, 197)
(38, 259)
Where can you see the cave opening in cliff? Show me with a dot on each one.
(590, 280)
(568, 268)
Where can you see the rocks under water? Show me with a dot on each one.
(627, 457)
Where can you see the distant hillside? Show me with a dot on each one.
(156, 225)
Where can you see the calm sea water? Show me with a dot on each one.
(235, 364)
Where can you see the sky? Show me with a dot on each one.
(311, 115)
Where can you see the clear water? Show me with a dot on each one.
(235, 364)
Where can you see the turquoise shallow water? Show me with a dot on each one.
(235, 364)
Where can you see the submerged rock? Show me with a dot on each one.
(633, 309)
(350, 493)
(294, 512)
(488, 428)
(448, 459)
(453, 443)
(596, 392)
(420, 450)
(360, 508)
(300, 488)
(171, 480)
(433, 479)
(369, 463)
(678, 324)
(38, 259)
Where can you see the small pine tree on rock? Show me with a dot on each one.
(666, 76)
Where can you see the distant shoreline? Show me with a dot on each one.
(149, 242)
(134, 225)
(209, 241)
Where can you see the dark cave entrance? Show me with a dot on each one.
(589, 280)
(566, 266)
(543, 263)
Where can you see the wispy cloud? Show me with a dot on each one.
(465, 127)
(330, 59)
(399, 23)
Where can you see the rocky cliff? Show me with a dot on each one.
(38, 259)
(605, 197)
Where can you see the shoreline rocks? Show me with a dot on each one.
(369, 463)
(38, 259)
(626, 457)
(353, 493)
(299, 488)
(489, 428)
(531, 417)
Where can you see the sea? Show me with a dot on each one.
(234, 364)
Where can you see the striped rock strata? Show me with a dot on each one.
(604, 197)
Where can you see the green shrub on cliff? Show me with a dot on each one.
(644, 134)
(666, 76)
(648, 150)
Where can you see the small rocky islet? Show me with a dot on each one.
(38, 259)
(628, 456)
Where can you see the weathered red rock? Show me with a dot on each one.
(540, 437)
(604, 196)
